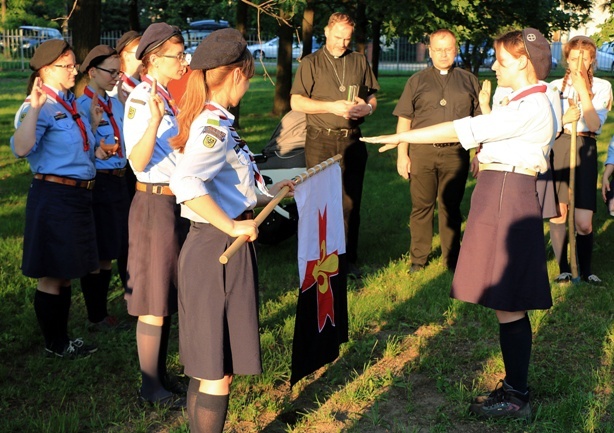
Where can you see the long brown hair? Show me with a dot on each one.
(583, 43)
(198, 92)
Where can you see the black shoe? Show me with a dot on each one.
(175, 385)
(353, 271)
(74, 349)
(503, 402)
(171, 402)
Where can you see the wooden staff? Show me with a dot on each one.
(238, 243)
(571, 217)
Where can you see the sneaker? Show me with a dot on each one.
(593, 279)
(563, 277)
(496, 393)
(503, 402)
(74, 349)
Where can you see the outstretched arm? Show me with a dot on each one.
(440, 133)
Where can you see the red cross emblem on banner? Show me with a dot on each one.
(319, 272)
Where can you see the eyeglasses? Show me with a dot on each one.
(442, 50)
(69, 68)
(113, 73)
(181, 56)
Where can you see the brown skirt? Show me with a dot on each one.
(502, 262)
(156, 233)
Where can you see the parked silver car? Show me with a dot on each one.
(605, 57)
(270, 48)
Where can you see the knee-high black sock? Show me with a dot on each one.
(584, 244)
(49, 314)
(148, 347)
(559, 240)
(209, 413)
(516, 341)
(90, 286)
(104, 282)
(163, 353)
(191, 397)
(66, 299)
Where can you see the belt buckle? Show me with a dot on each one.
(89, 184)
(344, 132)
(157, 189)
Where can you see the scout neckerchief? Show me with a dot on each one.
(129, 82)
(108, 108)
(243, 147)
(535, 89)
(72, 109)
(163, 93)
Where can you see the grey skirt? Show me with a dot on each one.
(156, 233)
(218, 307)
(502, 262)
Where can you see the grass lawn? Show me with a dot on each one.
(415, 357)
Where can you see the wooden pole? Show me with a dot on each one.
(571, 211)
(238, 243)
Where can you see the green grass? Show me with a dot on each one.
(414, 360)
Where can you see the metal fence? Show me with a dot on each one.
(398, 56)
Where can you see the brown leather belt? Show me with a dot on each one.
(87, 184)
(247, 215)
(153, 188)
(119, 172)
(581, 133)
(445, 144)
(494, 166)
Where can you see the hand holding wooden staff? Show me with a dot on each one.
(238, 243)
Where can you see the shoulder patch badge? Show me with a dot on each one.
(215, 132)
(209, 141)
(131, 112)
(215, 122)
(22, 116)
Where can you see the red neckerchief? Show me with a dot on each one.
(535, 89)
(109, 110)
(164, 93)
(260, 183)
(130, 82)
(72, 109)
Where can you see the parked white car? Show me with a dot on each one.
(270, 48)
(605, 57)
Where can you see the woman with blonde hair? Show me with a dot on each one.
(215, 182)
(585, 99)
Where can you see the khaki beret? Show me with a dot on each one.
(47, 53)
(220, 48)
(155, 35)
(96, 56)
(125, 40)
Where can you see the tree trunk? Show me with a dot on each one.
(133, 15)
(360, 31)
(241, 19)
(307, 33)
(283, 81)
(85, 26)
(376, 48)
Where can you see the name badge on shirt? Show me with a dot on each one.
(103, 123)
(60, 116)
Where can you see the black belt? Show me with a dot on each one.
(445, 144)
(581, 133)
(337, 132)
(247, 215)
(119, 172)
